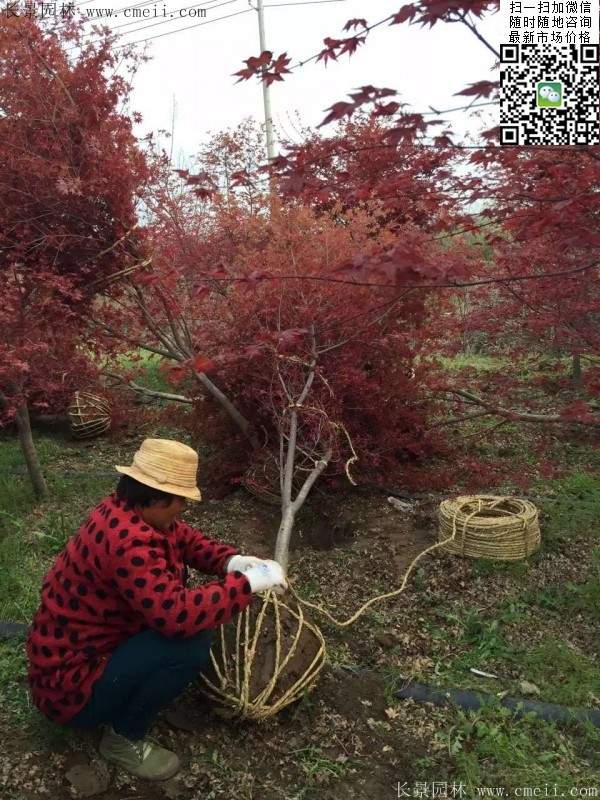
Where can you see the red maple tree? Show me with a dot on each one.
(70, 173)
(539, 288)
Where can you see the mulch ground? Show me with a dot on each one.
(346, 739)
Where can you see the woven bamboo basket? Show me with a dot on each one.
(265, 660)
(89, 415)
(489, 526)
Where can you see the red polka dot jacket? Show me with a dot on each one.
(116, 577)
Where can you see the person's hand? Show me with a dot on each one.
(266, 575)
(242, 563)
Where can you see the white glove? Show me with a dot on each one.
(242, 563)
(266, 575)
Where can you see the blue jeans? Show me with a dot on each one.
(143, 675)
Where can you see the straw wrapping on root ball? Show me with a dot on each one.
(489, 526)
(265, 660)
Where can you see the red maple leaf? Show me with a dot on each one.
(254, 65)
(338, 111)
(479, 89)
(355, 23)
(203, 364)
(351, 44)
(406, 12)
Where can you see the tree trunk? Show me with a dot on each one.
(282, 546)
(31, 458)
(239, 419)
(576, 371)
(290, 508)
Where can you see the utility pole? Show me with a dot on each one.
(265, 87)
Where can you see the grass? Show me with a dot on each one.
(492, 747)
(483, 567)
(318, 768)
(564, 674)
(13, 664)
(477, 361)
(572, 598)
(16, 494)
(30, 532)
(533, 366)
(484, 748)
(572, 509)
(560, 670)
(482, 641)
(149, 368)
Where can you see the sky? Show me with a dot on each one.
(191, 71)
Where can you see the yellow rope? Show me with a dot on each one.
(505, 528)
(230, 692)
(340, 425)
(396, 592)
(521, 515)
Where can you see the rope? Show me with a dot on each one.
(510, 518)
(369, 603)
(505, 528)
(232, 686)
(89, 415)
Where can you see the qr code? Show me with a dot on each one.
(549, 94)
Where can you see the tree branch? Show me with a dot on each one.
(177, 398)
(308, 483)
(475, 32)
(455, 420)
(239, 419)
(523, 416)
(170, 345)
(455, 285)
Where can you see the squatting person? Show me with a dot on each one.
(117, 635)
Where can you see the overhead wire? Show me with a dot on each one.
(187, 27)
(166, 22)
(304, 3)
(302, 63)
(87, 19)
(367, 29)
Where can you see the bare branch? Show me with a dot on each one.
(173, 323)
(121, 273)
(130, 340)
(169, 344)
(239, 419)
(359, 331)
(455, 420)
(463, 18)
(144, 390)
(503, 279)
(509, 414)
(308, 483)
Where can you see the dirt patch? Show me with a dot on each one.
(342, 739)
(381, 750)
(346, 519)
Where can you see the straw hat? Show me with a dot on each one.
(166, 465)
